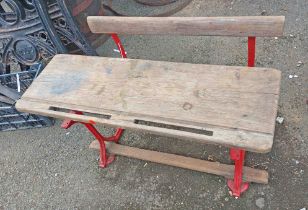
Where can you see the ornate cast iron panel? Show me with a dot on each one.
(35, 30)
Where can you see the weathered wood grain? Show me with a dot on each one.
(249, 174)
(250, 141)
(260, 26)
(238, 104)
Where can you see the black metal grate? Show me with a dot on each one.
(10, 118)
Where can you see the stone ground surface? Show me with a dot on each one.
(53, 168)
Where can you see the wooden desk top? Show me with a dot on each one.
(238, 105)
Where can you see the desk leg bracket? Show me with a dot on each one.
(105, 160)
(237, 186)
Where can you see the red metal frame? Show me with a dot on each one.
(104, 159)
(251, 51)
(237, 186)
(117, 41)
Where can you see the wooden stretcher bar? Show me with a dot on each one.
(249, 174)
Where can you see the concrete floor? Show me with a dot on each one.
(52, 168)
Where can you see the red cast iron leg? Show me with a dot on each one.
(104, 159)
(236, 185)
(66, 124)
(116, 137)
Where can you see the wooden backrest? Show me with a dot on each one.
(246, 26)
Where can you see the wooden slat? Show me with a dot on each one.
(249, 174)
(250, 141)
(260, 26)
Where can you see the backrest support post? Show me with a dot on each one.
(117, 41)
(251, 51)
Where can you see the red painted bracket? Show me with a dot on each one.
(117, 41)
(236, 185)
(104, 159)
(251, 51)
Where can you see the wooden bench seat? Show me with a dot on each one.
(226, 105)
